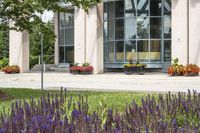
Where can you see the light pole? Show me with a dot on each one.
(42, 62)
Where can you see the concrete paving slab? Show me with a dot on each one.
(152, 82)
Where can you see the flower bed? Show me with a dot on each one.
(11, 69)
(58, 114)
(179, 70)
(84, 69)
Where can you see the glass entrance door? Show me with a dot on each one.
(66, 37)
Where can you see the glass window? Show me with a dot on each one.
(130, 28)
(119, 9)
(143, 28)
(130, 50)
(130, 8)
(143, 51)
(155, 7)
(167, 7)
(155, 28)
(119, 45)
(61, 37)
(105, 11)
(167, 27)
(155, 50)
(119, 29)
(167, 51)
(61, 53)
(111, 29)
(106, 52)
(69, 18)
(105, 31)
(62, 19)
(111, 10)
(69, 54)
(142, 8)
(69, 36)
(111, 54)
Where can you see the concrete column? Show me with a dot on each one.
(19, 50)
(179, 30)
(194, 46)
(56, 50)
(79, 36)
(94, 47)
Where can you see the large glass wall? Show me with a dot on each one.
(66, 37)
(138, 30)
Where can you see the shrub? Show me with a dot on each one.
(11, 69)
(3, 62)
(50, 114)
(192, 70)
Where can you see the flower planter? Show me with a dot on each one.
(192, 74)
(85, 73)
(75, 72)
(128, 70)
(140, 70)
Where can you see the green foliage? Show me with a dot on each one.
(4, 38)
(23, 13)
(3, 63)
(35, 45)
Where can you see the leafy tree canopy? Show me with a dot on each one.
(24, 13)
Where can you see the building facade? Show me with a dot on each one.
(149, 31)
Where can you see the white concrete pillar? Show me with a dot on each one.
(56, 50)
(94, 40)
(194, 46)
(79, 36)
(179, 30)
(19, 50)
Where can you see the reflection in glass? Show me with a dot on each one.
(62, 19)
(69, 18)
(155, 50)
(111, 10)
(105, 10)
(105, 29)
(167, 27)
(143, 51)
(61, 55)
(155, 28)
(69, 54)
(119, 8)
(130, 8)
(142, 28)
(119, 45)
(111, 54)
(167, 7)
(155, 7)
(119, 29)
(106, 52)
(111, 29)
(167, 51)
(69, 36)
(130, 25)
(142, 8)
(130, 50)
(61, 37)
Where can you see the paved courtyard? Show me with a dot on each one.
(152, 82)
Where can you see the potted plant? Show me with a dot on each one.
(74, 69)
(129, 67)
(192, 70)
(11, 69)
(176, 69)
(86, 68)
(140, 68)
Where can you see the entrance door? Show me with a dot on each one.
(66, 37)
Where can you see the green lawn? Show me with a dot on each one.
(116, 100)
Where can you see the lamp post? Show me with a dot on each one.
(42, 62)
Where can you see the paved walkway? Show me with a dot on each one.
(154, 82)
